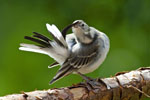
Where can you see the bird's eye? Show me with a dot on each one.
(82, 25)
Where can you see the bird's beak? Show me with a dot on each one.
(76, 24)
(68, 27)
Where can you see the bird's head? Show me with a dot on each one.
(80, 25)
(81, 31)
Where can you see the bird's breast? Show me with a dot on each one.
(97, 60)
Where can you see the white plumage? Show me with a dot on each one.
(56, 51)
(82, 51)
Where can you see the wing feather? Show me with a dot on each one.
(45, 44)
(42, 37)
(56, 34)
(53, 65)
(75, 62)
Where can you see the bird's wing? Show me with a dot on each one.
(71, 40)
(53, 65)
(43, 42)
(56, 34)
(47, 46)
(75, 62)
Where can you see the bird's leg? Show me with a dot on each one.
(91, 84)
(85, 77)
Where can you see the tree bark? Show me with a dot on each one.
(133, 85)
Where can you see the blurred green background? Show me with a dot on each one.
(126, 22)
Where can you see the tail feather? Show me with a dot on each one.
(42, 37)
(53, 65)
(29, 46)
(61, 74)
(56, 49)
(45, 44)
(50, 51)
(56, 34)
(32, 48)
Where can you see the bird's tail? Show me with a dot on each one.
(63, 71)
(57, 49)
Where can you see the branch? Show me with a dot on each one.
(133, 85)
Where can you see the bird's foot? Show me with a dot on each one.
(91, 84)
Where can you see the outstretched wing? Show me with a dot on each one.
(42, 41)
(56, 34)
(47, 46)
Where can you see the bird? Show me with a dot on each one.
(79, 52)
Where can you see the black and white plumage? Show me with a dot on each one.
(82, 51)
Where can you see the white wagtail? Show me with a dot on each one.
(81, 52)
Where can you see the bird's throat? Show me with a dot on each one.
(81, 37)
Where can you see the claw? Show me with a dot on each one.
(91, 84)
